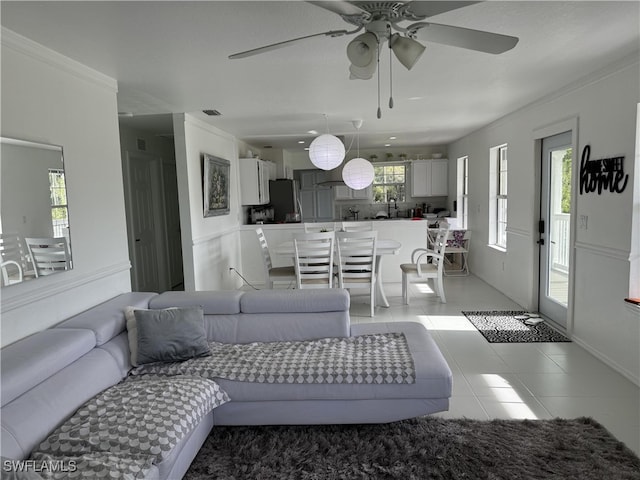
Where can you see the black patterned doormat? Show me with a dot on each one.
(503, 327)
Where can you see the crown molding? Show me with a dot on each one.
(25, 46)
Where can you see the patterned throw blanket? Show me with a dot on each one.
(366, 359)
(125, 430)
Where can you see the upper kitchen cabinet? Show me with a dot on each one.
(429, 178)
(254, 181)
(343, 192)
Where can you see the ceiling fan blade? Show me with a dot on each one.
(340, 7)
(286, 43)
(464, 37)
(430, 9)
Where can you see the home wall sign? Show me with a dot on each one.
(602, 174)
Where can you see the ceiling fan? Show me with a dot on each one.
(381, 23)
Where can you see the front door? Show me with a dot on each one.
(555, 221)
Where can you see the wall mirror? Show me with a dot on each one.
(34, 218)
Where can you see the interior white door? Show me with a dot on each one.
(141, 219)
(555, 227)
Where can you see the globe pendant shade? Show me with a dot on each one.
(326, 152)
(358, 173)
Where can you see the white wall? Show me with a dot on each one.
(604, 109)
(51, 99)
(210, 245)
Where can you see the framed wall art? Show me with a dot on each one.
(216, 178)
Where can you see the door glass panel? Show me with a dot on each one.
(559, 221)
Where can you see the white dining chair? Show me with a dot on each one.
(273, 274)
(13, 249)
(48, 254)
(427, 264)
(11, 272)
(458, 244)
(314, 259)
(357, 262)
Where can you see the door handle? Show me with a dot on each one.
(540, 242)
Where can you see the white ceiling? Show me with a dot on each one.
(172, 57)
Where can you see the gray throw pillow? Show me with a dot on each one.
(171, 335)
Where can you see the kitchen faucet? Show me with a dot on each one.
(389, 206)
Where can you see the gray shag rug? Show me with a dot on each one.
(422, 448)
(502, 327)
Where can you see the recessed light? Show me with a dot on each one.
(313, 132)
(387, 144)
(301, 141)
(392, 138)
(306, 148)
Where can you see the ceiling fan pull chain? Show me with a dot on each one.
(390, 69)
(379, 109)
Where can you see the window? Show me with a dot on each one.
(498, 197)
(463, 191)
(388, 183)
(59, 211)
(501, 234)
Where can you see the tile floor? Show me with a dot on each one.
(499, 380)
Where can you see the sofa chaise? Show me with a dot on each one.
(49, 376)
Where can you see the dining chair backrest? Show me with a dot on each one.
(356, 257)
(357, 262)
(49, 254)
(357, 226)
(264, 248)
(439, 242)
(314, 259)
(319, 227)
(12, 249)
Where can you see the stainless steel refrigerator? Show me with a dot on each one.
(284, 198)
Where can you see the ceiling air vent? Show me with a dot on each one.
(212, 113)
(141, 144)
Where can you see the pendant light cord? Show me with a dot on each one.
(379, 114)
(390, 68)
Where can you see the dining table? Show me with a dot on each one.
(383, 247)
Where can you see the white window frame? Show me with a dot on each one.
(401, 186)
(498, 198)
(463, 191)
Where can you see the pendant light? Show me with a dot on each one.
(326, 151)
(358, 173)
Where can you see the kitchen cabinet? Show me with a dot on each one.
(254, 181)
(429, 178)
(316, 200)
(343, 192)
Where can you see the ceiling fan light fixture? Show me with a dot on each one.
(362, 50)
(326, 152)
(362, 73)
(407, 50)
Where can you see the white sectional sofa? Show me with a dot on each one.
(48, 376)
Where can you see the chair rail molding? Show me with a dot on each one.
(624, 255)
(61, 283)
